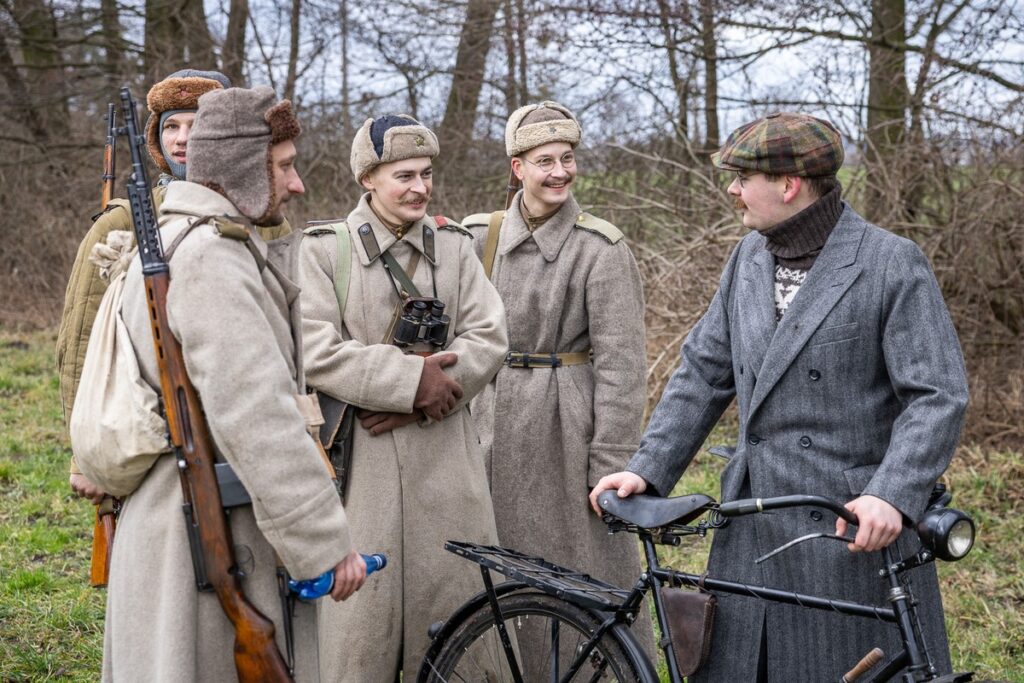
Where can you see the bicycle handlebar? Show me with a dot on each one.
(748, 506)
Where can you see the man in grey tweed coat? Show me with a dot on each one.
(833, 337)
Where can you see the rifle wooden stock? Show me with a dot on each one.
(102, 543)
(256, 655)
(108, 175)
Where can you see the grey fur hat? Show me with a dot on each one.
(394, 137)
(229, 146)
(538, 124)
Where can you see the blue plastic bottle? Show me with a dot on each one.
(312, 589)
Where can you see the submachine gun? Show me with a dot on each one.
(256, 655)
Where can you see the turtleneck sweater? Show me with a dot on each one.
(796, 242)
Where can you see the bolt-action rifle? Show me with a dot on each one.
(105, 526)
(513, 186)
(109, 157)
(256, 655)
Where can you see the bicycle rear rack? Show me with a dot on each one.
(536, 572)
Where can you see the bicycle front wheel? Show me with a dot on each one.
(547, 636)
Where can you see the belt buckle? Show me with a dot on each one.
(517, 360)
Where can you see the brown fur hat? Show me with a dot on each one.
(538, 124)
(180, 90)
(229, 147)
(394, 137)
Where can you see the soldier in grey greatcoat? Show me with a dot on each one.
(832, 335)
(565, 408)
(234, 311)
(417, 474)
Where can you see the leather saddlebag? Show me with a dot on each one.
(690, 616)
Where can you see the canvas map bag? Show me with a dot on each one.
(117, 431)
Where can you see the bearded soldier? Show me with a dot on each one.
(172, 106)
(234, 311)
(576, 370)
(417, 474)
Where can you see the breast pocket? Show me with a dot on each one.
(833, 334)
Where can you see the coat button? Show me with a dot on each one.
(753, 439)
(814, 375)
(816, 515)
(805, 441)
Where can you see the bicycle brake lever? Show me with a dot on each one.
(795, 541)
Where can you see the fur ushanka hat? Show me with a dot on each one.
(538, 124)
(394, 137)
(229, 148)
(178, 92)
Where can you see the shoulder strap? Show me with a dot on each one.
(343, 269)
(593, 224)
(491, 246)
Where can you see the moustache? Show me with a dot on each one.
(739, 204)
(560, 181)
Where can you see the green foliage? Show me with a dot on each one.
(51, 621)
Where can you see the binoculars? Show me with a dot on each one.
(422, 321)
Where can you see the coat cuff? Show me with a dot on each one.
(311, 538)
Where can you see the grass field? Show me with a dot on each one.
(51, 621)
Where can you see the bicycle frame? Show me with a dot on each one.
(611, 606)
(900, 615)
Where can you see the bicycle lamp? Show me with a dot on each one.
(947, 533)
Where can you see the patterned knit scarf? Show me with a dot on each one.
(796, 242)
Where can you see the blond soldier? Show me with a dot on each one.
(576, 371)
(235, 313)
(417, 475)
(172, 107)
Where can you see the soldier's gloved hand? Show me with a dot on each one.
(349, 576)
(378, 422)
(84, 488)
(437, 393)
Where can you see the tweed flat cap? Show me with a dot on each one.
(538, 124)
(394, 137)
(784, 143)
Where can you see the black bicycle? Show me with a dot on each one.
(582, 624)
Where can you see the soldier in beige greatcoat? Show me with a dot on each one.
(172, 105)
(565, 408)
(417, 474)
(234, 312)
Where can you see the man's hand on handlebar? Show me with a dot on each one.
(626, 484)
(880, 524)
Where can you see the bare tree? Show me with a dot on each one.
(467, 80)
(233, 51)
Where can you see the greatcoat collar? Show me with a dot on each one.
(549, 237)
(184, 198)
(363, 215)
(772, 348)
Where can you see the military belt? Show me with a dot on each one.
(515, 359)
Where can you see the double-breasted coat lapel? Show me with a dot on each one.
(834, 271)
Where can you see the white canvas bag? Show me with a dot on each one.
(117, 432)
